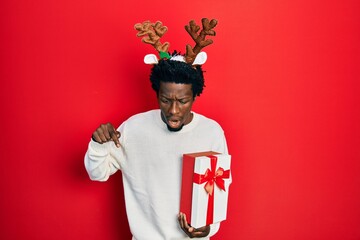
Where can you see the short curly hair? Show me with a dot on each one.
(177, 72)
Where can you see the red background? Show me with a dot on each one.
(282, 79)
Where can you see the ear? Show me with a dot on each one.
(150, 59)
(200, 58)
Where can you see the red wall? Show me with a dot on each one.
(282, 79)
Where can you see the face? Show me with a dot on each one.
(175, 102)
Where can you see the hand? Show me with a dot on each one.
(105, 133)
(191, 231)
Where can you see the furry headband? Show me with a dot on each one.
(152, 32)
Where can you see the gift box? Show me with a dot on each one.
(205, 187)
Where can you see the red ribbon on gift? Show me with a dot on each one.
(212, 177)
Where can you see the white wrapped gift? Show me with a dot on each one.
(205, 187)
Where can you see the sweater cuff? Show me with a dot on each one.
(98, 147)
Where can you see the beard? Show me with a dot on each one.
(174, 129)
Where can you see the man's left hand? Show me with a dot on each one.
(191, 231)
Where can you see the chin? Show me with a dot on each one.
(174, 129)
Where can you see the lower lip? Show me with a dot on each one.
(174, 124)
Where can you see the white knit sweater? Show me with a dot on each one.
(150, 159)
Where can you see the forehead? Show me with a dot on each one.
(175, 89)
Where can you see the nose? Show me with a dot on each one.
(174, 108)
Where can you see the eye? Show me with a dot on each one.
(183, 101)
(164, 100)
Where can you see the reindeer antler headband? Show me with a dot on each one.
(152, 32)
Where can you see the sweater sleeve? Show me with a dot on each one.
(102, 160)
(220, 144)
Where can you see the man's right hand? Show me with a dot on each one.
(105, 133)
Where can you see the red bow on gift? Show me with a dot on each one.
(211, 177)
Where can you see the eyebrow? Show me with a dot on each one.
(180, 98)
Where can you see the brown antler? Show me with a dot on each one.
(199, 39)
(152, 33)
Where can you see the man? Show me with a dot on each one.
(148, 149)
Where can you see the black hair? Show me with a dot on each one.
(177, 72)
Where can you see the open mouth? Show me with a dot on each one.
(174, 123)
